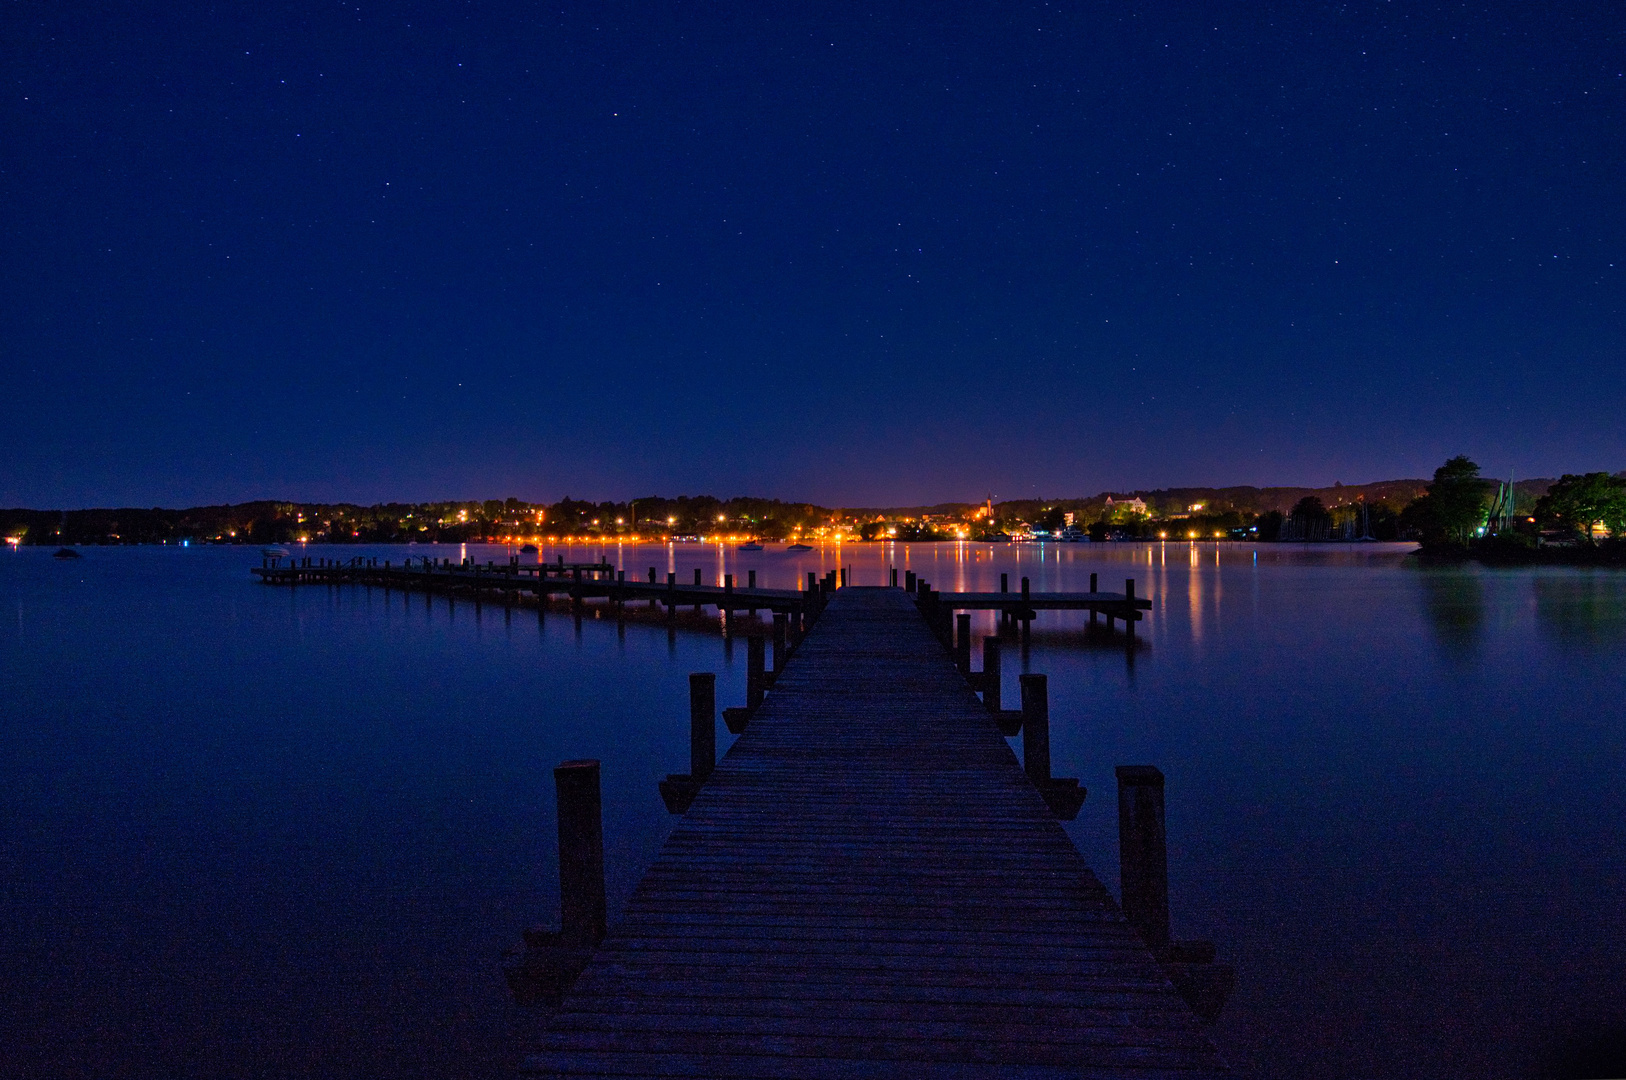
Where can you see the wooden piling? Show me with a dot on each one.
(909, 581)
(702, 724)
(1036, 728)
(991, 674)
(1143, 852)
(582, 914)
(779, 622)
(962, 643)
(754, 671)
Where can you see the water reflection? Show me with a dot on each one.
(1454, 600)
(1581, 609)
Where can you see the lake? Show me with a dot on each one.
(259, 831)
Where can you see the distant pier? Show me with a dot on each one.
(602, 582)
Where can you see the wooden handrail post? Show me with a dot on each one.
(581, 852)
(990, 673)
(702, 724)
(754, 656)
(962, 643)
(1143, 852)
(1036, 728)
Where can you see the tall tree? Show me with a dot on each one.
(1578, 502)
(1453, 509)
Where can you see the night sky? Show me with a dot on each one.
(930, 252)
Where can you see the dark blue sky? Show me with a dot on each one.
(410, 251)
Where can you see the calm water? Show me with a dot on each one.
(248, 831)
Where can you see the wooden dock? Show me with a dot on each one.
(869, 884)
(600, 581)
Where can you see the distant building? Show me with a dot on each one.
(1128, 506)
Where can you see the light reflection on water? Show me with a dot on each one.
(248, 828)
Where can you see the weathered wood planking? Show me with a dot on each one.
(868, 885)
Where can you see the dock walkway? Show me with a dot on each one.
(869, 885)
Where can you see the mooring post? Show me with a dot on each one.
(1143, 852)
(1129, 612)
(909, 581)
(581, 852)
(754, 671)
(810, 585)
(652, 575)
(894, 577)
(778, 643)
(1004, 583)
(697, 575)
(1036, 728)
(1027, 612)
(962, 643)
(728, 583)
(751, 580)
(702, 724)
(990, 673)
